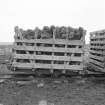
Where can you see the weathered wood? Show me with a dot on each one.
(97, 47)
(98, 41)
(49, 49)
(51, 41)
(96, 68)
(34, 48)
(48, 57)
(97, 52)
(48, 66)
(97, 57)
(97, 62)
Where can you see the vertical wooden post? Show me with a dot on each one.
(36, 32)
(54, 34)
(16, 30)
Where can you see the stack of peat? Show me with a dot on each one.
(49, 50)
(97, 51)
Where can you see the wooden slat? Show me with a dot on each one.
(99, 36)
(48, 57)
(49, 49)
(23, 65)
(97, 68)
(59, 66)
(97, 52)
(99, 31)
(74, 67)
(98, 47)
(97, 57)
(73, 58)
(52, 41)
(22, 56)
(48, 66)
(96, 62)
(43, 66)
(98, 42)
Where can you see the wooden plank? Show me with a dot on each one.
(49, 49)
(97, 47)
(97, 68)
(97, 62)
(52, 41)
(74, 58)
(23, 56)
(74, 67)
(99, 36)
(69, 42)
(32, 56)
(98, 42)
(97, 57)
(43, 66)
(58, 66)
(48, 66)
(97, 52)
(24, 48)
(99, 31)
(22, 65)
(60, 58)
(68, 50)
(46, 49)
(48, 57)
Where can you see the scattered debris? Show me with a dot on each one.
(51, 103)
(58, 82)
(42, 102)
(65, 81)
(24, 82)
(81, 81)
(40, 85)
(34, 81)
(2, 80)
(4, 69)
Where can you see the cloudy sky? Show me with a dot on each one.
(89, 14)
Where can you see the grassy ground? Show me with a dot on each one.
(63, 93)
(51, 91)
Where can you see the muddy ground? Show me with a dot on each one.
(50, 91)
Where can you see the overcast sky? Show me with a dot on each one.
(89, 14)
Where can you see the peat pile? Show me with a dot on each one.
(51, 32)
